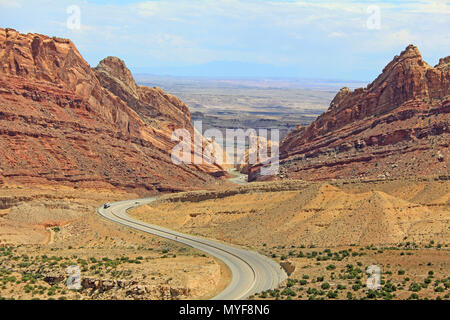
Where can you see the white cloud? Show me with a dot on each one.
(429, 6)
(10, 3)
(294, 33)
(337, 35)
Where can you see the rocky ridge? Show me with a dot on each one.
(397, 126)
(63, 122)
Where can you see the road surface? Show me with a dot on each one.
(250, 272)
(237, 177)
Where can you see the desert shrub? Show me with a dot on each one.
(371, 294)
(356, 287)
(446, 283)
(290, 283)
(389, 287)
(332, 294)
(288, 292)
(413, 296)
(312, 291)
(325, 286)
(415, 287)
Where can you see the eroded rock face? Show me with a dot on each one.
(149, 103)
(63, 122)
(396, 125)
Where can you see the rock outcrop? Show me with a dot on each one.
(62, 122)
(125, 288)
(397, 126)
(115, 76)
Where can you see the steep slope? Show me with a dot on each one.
(396, 126)
(63, 122)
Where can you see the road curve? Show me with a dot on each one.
(251, 272)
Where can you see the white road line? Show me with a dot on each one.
(251, 272)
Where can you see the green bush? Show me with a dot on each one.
(413, 296)
(356, 287)
(439, 289)
(415, 287)
(288, 292)
(332, 295)
(325, 286)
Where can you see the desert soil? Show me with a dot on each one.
(43, 230)
(326, 234)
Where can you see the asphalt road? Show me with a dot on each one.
(237, 177)
(250, 272)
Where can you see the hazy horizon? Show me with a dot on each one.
(233, 70)
(349, 39)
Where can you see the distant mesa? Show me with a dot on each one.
(397, 126)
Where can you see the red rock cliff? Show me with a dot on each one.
(63, 122)
(396, 126)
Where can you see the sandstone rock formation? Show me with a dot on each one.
(397, 126)
(259, 151)
(149, 103)
(62, 122)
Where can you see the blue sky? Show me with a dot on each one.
(237, 38)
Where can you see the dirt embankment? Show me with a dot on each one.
(321, 214)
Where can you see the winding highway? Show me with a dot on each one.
(251, 272)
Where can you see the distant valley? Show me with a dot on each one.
(251, 103)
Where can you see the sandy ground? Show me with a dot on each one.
(327, 234)
(407, 271)
(320, 214)
(38, 222)
(402, 226)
